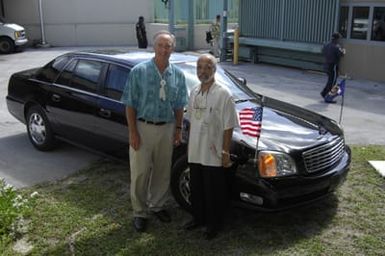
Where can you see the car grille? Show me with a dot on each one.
(325, 156)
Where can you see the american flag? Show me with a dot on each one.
(251, 121)
(341, 88)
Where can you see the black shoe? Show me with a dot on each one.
(330, 101)
(192, 224)
(163, 216)
(140, 224)
(210, 234)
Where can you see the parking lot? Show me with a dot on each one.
(21, 165)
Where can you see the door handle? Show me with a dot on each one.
(105, 113)
(55, 98)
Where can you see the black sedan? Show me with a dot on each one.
(300, 156)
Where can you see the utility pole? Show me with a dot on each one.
(171, 17)
(224, 30)
(43, 42)
(190, 28)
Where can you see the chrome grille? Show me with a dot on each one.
(325, 156)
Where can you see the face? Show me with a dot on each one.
(205, 69)
(163, 46)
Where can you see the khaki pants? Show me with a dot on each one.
(151, 168)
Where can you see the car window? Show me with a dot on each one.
(86, 75)
(116, 80)
(49, 72)
(65, 76)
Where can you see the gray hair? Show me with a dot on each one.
(211, 58)
(164, 32)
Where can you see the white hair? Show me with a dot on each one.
(164, 32)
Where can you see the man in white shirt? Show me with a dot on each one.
(212, 116)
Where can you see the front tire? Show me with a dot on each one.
(6, 45)
(180, 183)
(39, 129)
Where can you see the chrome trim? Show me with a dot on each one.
(325, 156)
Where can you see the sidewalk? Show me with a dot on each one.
(363, 117)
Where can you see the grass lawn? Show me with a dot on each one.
(90, 214)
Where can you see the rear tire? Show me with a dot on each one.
(6, 45)
(180, 183)
(39, 129)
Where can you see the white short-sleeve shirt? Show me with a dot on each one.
(210, 114)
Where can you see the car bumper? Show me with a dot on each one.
(284, 193)
(21, 41)
(15, 108)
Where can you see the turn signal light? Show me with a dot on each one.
(267, 165)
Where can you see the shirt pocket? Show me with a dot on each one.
(171, 93)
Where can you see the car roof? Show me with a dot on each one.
(131, 57)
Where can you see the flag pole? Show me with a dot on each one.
(256, 147)
(342, 108)
(343, 99)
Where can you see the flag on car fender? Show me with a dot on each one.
(251, 121)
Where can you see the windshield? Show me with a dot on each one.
(239, 92)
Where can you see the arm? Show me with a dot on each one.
(227, 136)
(178, 126)
(134, 137)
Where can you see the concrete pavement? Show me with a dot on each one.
(363, 116)
(21, 165)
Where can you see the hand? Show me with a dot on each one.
(177, 137)
(226, 161)
(134, 140)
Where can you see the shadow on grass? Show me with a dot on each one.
(98, 222)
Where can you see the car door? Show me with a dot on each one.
(74, 100)
(112, 111)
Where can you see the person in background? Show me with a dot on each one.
(332, 53)
(141, 33)
(215, 30)
(155, 95)
(212, 115)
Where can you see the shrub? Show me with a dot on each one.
(14, 209)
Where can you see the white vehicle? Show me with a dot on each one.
(11, 37)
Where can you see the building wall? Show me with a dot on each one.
(93, 22)
(364, 59)
(80, 22)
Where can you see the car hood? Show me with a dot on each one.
(13, 26)
(288, 127)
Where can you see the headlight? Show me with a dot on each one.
(17, 34)
(275, 164)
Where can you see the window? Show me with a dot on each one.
(86, 75)
(360, 23)
(378, 27)
(65, 76)
(115, 82)
(50, 71)
(81, 74)
(343, 22)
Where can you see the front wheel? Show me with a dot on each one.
(180, 183)
(6, 45)
(39, 129)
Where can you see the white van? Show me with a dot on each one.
(11, 37)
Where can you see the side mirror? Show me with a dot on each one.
(242, 80)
